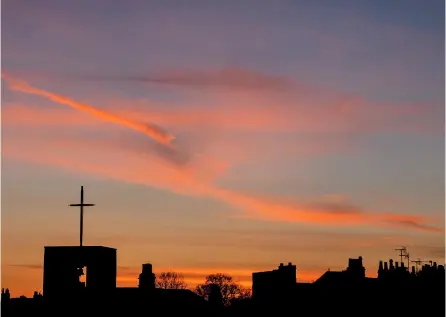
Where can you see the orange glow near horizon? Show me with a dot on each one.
(192, 277)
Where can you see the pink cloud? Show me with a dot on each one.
(197, 177)
(294, 109)
(238, 125)
(196, 180)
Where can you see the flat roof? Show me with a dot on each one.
(90, 247)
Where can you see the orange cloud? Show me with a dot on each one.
(192, 179)
(21, 115)
(334, 214)
(151, 130)
(231, 127)
(230, 149)
(297, 110)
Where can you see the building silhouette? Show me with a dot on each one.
(79, 280)
(275, 283)
(64, 267)
(395, 289)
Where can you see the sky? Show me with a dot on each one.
(222, 136)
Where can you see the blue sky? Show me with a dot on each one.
(306, 104)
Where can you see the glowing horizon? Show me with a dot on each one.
(211, 141)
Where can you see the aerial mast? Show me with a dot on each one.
(403, 253)
(407, 256)
(418, 262)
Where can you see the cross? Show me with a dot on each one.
(81, 205)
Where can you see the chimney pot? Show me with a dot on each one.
(147, 268)
(281, 264)
(289, 264)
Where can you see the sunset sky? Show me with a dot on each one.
(222, 136)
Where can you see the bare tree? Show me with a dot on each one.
(229, 289)
(170, 280)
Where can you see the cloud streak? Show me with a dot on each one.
(239, 79)
(193, 180)
(196, 182)
(231, 78)
(298, 110)
(152, 130)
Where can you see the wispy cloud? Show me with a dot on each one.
(150, 129)
(415, 224)
(193, 179)
(235, 127)
(303, 110)
(227, 78)
(27, 266)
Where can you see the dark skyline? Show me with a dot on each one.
(304, 131)
(83, 278)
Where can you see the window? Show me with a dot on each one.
(83, 275)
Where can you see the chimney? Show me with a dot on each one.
(290, 264)
(402, 265)
(396, 265)
(413, 270)
(380, 269)
(281, 265)
(147, 268)
(146, 278)
(386, 268)
(391, 264)
(435, 264)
